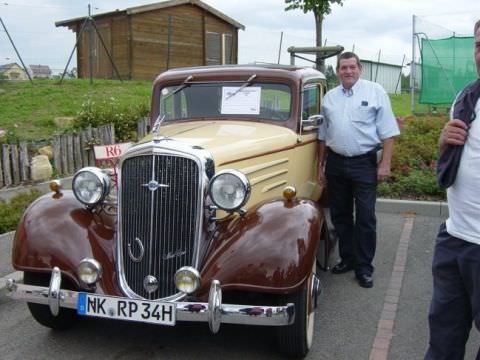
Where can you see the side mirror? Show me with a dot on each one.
(313, 122)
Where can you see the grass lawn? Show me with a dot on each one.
(28, 111)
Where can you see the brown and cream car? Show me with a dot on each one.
(213, 217)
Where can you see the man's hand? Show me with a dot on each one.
(383, 171)
(454, 133)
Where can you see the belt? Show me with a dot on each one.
(361, 156)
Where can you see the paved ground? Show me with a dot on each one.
(347, 327)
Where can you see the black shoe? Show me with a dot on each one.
(365, 280)
(342, 267)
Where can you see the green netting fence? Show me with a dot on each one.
(447, 66)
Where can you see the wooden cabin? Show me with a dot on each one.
(145, 40)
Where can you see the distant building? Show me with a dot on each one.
(387, 75)
(40, 71)
(146, 40)
(13, 71)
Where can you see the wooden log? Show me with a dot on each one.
(84, 144)
(91, 155)
(57, 157)
(14, 158)
(77, 152)
(64, 154)
(24, 162)
(70, 161)
(93, 141)
(6, 165)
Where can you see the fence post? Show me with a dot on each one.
(57, 151)
(70, 161)
(24, 162)
(77, 152)
(15, 164)
(6, 164)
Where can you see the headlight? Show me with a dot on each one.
(89, 271)
(187, 279)
(90, 185)
(229, 190)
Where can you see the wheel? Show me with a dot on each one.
(65, 319)
(296, 340)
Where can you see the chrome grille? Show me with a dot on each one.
(162, 220)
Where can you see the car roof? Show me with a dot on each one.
(224, 72)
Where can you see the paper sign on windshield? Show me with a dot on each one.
(236, 100)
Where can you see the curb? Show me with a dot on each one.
(424, 208)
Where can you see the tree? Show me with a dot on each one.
(320, 8)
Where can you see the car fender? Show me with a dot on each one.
(57, 230)
(269, 249)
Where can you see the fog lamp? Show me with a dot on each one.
(187, 279)
(89, 271)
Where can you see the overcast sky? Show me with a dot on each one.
(370, 26)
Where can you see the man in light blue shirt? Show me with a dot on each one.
(358, 121)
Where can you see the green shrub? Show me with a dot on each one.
(11, 211)
(123, 117)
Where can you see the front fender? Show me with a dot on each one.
(56, 230)
(271, 249)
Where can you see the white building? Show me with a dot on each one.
(387, 75)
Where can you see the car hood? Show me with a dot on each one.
(230, 141)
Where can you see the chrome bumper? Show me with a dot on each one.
(213, 312)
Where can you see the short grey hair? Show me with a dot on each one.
(477, 26)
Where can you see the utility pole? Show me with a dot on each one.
(16, 51)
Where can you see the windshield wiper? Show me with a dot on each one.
(181, 87)
(247, 83)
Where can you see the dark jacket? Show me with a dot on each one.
(463, 109)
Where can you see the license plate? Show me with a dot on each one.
(110, 307)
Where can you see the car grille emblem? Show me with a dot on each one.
(141, 250)
(154, 185)
(174, 254)
(150, 283)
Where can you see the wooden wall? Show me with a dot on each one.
(139, 42)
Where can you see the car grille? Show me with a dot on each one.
(162, 221)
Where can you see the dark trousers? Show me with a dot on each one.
(456, 296)
(352, 186)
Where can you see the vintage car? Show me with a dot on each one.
(213, 217)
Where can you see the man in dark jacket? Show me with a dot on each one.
(456, 260)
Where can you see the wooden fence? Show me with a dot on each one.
(71, 152)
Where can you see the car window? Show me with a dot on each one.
(311, 101)
(267, 101)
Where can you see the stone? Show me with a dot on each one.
(46, 150)
(41, 169)
(63, 120)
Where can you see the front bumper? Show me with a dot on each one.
(213, 312)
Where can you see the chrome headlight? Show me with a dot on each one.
(90, 185)
(229, 190)
(89, 271)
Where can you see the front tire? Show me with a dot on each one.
(296, 340)
(65, 319)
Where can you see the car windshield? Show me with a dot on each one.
(267, 101)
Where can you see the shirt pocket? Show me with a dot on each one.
(364, 115)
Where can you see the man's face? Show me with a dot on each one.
(348, 72)
(477, 50)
